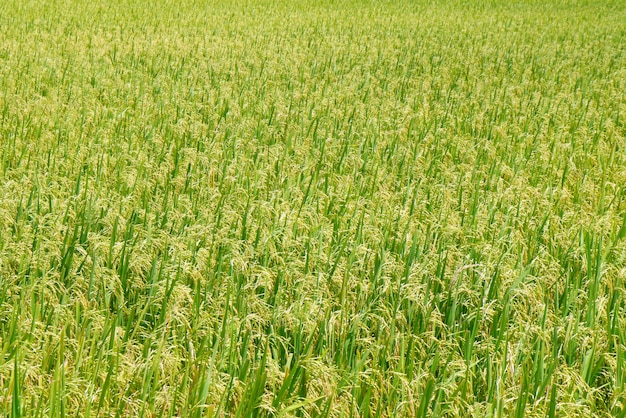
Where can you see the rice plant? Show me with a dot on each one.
(343, 208)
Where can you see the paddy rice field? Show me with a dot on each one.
(340, 208)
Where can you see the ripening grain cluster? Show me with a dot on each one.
(343, 208)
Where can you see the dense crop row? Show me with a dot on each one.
(347, 209)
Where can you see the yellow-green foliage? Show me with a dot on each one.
(337, 208)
